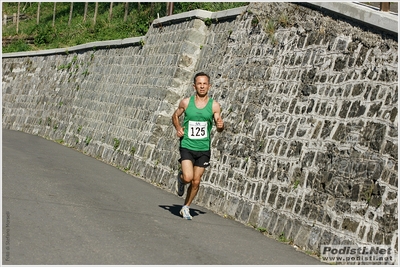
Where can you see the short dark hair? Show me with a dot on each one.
(201, 74)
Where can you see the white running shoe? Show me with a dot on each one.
(185, 212)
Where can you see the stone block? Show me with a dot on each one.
(280, 201)
(246, 210)
(302, 237)
(231, 206)
(272, 194)
(280, 224)
(254, 217)
(314, 238)
(391, 149)
(350, 225)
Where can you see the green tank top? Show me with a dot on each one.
(197, 124)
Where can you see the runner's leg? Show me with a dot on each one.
(194, 185)
(187, 169)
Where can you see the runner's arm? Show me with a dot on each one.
(219, 123)
(175, 117)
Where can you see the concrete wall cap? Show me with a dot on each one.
(367, 14)
(201, 14)
(198, 13)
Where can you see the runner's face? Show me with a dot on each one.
(202, 85)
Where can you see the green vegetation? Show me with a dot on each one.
(296, 184)
(66, 33)
(254, 22)
(262, 229)
(116, 143)
(88, 139)
(208, 22)
(282, 238)
(133, 150)
(127, 168)
(270, 25)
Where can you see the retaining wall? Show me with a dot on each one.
(309, 102)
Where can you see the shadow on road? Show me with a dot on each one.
(174, 209)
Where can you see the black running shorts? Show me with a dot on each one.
(198, 158)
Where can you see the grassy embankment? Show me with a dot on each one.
(32, 36)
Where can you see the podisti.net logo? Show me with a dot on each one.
(358, 254)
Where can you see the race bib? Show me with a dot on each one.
(197, 130)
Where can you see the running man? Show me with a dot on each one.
(200, 110)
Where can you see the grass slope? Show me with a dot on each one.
(43, 36)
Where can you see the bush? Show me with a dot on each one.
(17, 46)
(44, 35)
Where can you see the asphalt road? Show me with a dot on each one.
(63, 207)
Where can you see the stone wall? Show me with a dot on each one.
(309, 102)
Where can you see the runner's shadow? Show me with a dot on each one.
(175, 209)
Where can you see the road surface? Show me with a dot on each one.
(63, 207)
